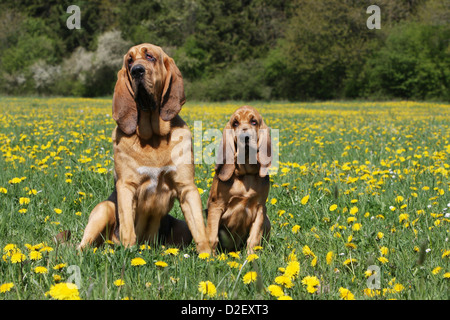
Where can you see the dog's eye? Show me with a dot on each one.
(254, 122)
(130, 61)
(150, 57)
(235, 123)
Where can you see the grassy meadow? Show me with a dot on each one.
(360, 186)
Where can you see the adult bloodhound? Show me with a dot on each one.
(153, 159)
(237, 199)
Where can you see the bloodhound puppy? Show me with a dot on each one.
(153, 159)
(237, 199)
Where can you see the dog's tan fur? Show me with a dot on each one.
(148, 179)
(236, 204)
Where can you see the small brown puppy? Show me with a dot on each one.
(237, 199)
(148, 96)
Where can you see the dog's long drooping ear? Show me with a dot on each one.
(225, 165)
(264, 154)
(173, 93)
(124, 109)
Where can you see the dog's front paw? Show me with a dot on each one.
(128, 240)
(203, 247)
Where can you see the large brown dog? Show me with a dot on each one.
(237, 199)
(149, 175)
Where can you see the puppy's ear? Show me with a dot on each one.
(225, 164)
(264, 154)
(124, 109)
(173, 92)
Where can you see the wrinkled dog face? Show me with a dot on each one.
(246, 125)
(145, 67)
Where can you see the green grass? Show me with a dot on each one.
(360, 155)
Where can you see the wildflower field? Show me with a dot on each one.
(359, 206)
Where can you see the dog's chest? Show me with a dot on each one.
(154, 179)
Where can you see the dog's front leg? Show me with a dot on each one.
(191, 205)
(126, 210)
(212, 229)
(256, 230)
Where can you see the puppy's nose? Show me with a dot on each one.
(137, 71)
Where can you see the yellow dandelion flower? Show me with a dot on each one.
(64, 291)
(275, 290)
(252, 257)
(172, 251)
(46, 249)
(222, 257)
(102, 170)
(314, 261)
(447, 275)
(351, 220)
(383, 260)
(380, 235)
(284, 298)
(384, 251)
(3, 190)
(292, 269)
(346, 294)
(446, 253)
(144, 247)
(333, 207)
(15, 180)
(249, 277)
(284, 281)
(57, 210)
(398, 287)
(329, 257)
(234, 264)
(307, 251)
(9, 247)
(357, 227)
(371, 293)
(57, 278)
(273, 201)
(304, 200)
(353, 210)
(349, 261)
(292, 256)
(295, 228)
(311, 283)
(207, 288)
(234, 255)
(403, 216)
(40, 270)
(119, 282)
(35, 255)
(138, 261)
(436, 270)
(18, 257)
(23, 200)
(6, 287)
(161, 264)
(204, 255)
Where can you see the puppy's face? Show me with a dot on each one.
(246, 123)
(145, 66)
(246, 140)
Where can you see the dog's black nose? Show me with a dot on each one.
(137, 71)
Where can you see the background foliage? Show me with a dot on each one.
(235, 49)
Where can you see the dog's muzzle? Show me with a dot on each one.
(137, 71)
